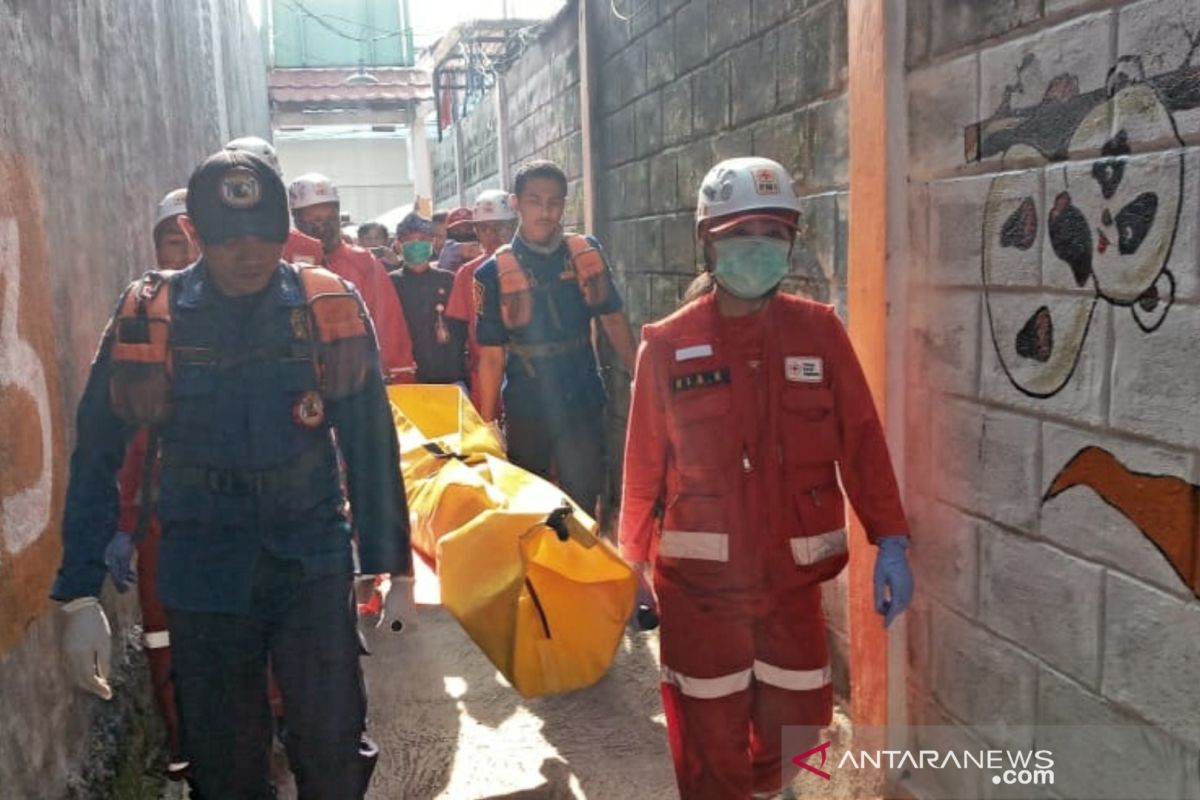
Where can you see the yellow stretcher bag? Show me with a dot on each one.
(521, 566)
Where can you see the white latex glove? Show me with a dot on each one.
(399, 614)
(399, 606)
(87, 645)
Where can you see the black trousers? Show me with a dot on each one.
(572, 449)
(305, 630)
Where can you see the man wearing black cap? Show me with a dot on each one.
(244, 366)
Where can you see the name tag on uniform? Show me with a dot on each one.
(700, 380)
(690, 353)
(804, 369)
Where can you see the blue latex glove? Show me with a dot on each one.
(892, 572)
(118, 557)
(646, 611)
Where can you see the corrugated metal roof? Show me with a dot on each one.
(328, 88)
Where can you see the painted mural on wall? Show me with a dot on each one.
(1164, 508)
(1099, 227)
(31, 459)
(1089, 214)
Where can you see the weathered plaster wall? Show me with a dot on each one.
(1054, 444)
(104, 106)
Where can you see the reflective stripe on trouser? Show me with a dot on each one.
(795, 680)
(732, 679)
(157, 639)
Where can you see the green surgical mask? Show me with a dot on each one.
(417, 251)
(749, 267)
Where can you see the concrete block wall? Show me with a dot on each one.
(543, 115)
(682, 85)
(675, 89)
(104, 107)
(1053, 445)
(480, 168)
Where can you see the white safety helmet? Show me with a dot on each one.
(492, 205)
(741, 188)
(257, 147)
(311, 189)
(172, 205)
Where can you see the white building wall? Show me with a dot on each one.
(372, 175)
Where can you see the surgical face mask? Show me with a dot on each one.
(751, 266)
(417, 251)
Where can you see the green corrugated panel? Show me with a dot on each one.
(341, 33)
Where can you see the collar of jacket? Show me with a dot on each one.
(197, 290)
(555, 244)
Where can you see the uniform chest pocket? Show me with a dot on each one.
(810, 426)
(196, 399)
(699, 418)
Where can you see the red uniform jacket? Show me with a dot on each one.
(689, 471)
(365, 272)
(301, 248)
(462, 306)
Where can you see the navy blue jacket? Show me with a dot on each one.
(240, 473)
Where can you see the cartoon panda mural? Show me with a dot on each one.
(1098, 227)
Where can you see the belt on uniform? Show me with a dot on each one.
(528, 352)
(244, 482)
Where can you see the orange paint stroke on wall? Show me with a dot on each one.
(32, 458)
(1165, 509)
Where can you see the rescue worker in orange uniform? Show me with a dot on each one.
(300, 248)
(495, 223)
(173, 248)
(138, 528)
(748, 405)
(316, 209)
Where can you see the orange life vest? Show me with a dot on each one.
(585, 266)
(141, 351)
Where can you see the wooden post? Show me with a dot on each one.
(875, 299)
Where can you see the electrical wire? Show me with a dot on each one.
(298, 6)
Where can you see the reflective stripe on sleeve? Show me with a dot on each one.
(157, 640)
(808, 550)
(795, 680)
(708, 688)
(694, 544)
